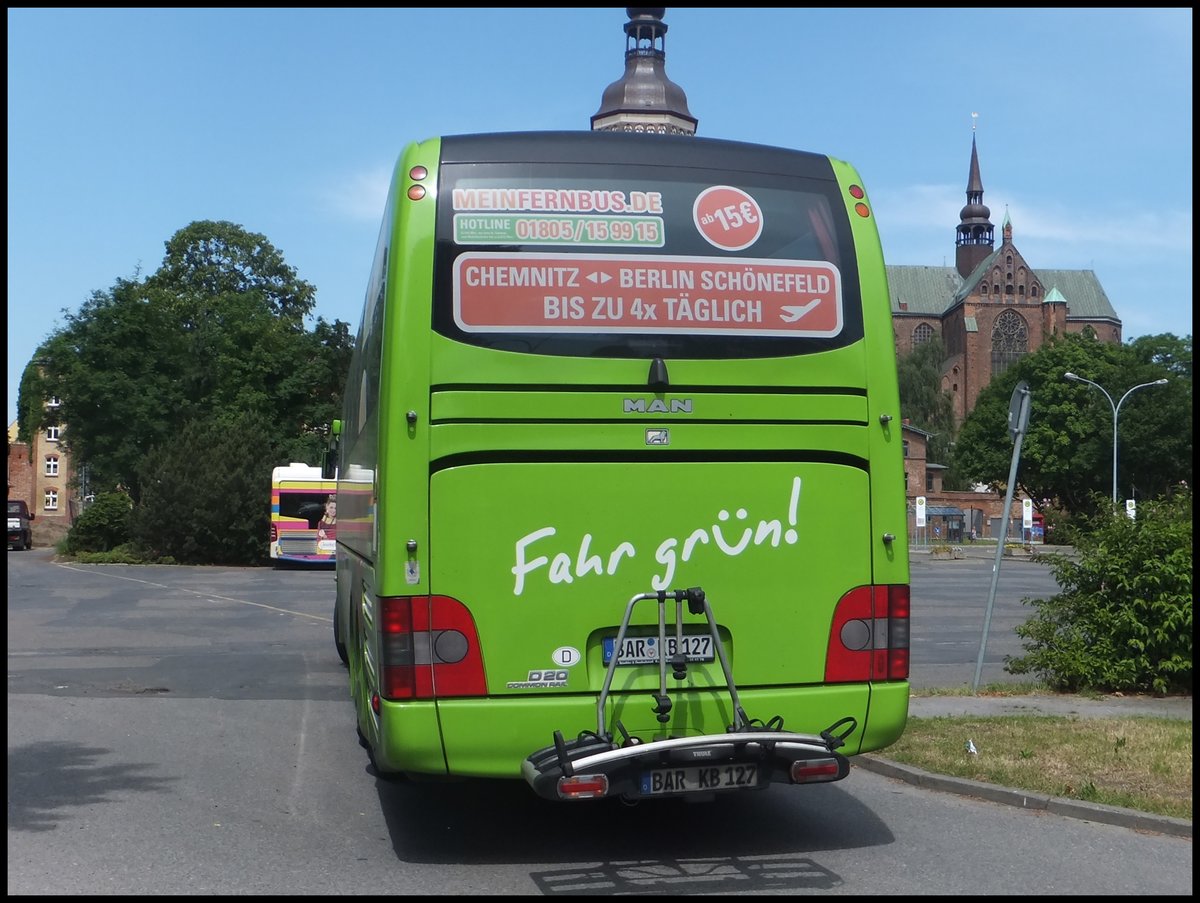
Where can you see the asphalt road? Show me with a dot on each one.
(189, 731)
(949, 606)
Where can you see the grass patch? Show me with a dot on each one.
(1140, 762)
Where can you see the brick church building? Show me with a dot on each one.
(990, 309)
(993, 306)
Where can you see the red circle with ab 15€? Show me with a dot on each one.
(727, 217)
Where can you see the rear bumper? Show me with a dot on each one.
(589, 767)
(491, 737)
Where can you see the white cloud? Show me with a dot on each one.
(938, 207)
(360, 196)
(923, 206)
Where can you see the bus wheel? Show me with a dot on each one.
(337, 642)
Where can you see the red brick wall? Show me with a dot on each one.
(20, 474)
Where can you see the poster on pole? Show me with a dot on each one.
(920, 510)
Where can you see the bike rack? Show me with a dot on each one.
(595, 764)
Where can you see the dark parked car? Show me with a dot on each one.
(20, 528)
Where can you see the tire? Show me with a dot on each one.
(338, 643)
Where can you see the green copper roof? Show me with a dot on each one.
(925, 290)
(931, 291)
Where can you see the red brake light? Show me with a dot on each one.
(869, 636)
(430, 648)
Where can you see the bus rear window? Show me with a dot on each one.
(643, 261)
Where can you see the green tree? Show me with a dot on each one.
(116, 365)
(1123, 621)
(212, 259)
(216, 332)
(927, 406)
(205, 494)
(1066, 455)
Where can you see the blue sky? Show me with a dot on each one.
(124, 126)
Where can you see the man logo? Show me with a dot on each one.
(658, 406)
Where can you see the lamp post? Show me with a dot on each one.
(1116, 409)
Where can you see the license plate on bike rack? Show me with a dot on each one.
(699, 779)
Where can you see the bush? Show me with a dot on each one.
(103, 525)
(206, 495)
(1124, 619)
(126, 553)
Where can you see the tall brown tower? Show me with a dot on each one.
(975, 236)
(644, 99)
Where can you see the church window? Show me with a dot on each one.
(983, 288)
(922, 334)
(1010, 341)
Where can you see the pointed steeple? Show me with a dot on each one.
(644, 99)
(975, 236)
(1054, 296)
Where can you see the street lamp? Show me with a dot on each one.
(1116, 409)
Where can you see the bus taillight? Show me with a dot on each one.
(868, 639)
(430, 648)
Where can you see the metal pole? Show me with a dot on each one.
(1022, 420)
(1116, 414)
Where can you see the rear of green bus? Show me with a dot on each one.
(627, 387)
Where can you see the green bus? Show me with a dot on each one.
(621, 487)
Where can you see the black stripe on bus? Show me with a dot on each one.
(650, 455)
(649, 420)
(680, 389)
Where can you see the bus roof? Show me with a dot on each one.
(610, 147)
(296, 471)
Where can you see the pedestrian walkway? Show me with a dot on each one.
(1111, 706)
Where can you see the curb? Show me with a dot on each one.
(1109, 815)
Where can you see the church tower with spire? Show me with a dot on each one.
(644, 99)
(974, 238)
